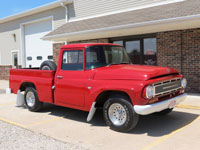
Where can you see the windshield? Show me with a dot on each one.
(104, 55)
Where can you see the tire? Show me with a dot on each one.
(123, 122)
(48, 65)
(31, 100)
(165, 112)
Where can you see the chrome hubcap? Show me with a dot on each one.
(117, 114)
(30, 99)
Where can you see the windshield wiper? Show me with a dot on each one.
(117, 63)
(124, 63)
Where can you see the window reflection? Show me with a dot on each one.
(141, 50)
(133, 50)
(150, 51)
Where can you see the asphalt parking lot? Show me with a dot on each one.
(178, 131)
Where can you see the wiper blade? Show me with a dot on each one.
(124, 63)
(117, 64)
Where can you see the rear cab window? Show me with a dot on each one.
(72, 60)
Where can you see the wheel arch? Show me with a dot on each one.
(24, 85)
(103, 96)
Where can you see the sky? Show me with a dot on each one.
(10, 7)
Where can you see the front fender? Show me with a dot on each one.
(132, 89)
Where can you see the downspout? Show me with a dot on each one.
(66, 13)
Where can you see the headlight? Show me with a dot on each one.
(184, 83)
(149, 92)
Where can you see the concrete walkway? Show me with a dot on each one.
(4, 84)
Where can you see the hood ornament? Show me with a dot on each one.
(169, 70)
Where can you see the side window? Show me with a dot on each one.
(72, 60)
(95, 57)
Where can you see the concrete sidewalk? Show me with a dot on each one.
(4, 84)
(192, 100)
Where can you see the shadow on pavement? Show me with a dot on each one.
(152, 125)
(155, 125)
(73, 114)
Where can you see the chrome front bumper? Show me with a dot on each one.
(157, 107)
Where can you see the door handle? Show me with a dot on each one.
(59, 77)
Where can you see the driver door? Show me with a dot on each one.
(70, 81)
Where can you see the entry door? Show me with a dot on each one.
(71, 80)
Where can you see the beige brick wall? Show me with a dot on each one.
(56, 51)
(4, 72)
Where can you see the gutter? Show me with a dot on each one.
(134, 25)
(35, 10)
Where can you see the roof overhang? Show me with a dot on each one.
(178, 23)
(36, 10)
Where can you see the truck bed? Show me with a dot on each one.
(42, 80)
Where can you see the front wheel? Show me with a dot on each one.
(32, 100)
(119, 115)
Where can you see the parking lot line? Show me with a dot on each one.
(189, 107)
(11, 122)
(44, 122)
(163, 138)
(7, 104)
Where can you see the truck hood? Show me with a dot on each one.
(132, 72)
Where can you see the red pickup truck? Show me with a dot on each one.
(91, 76)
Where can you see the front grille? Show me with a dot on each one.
(167, 87)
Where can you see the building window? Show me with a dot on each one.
(50, 57)
(39, 57)
(134, 51)
(14, 59)
(150, 51)
(29, 58)
(141, 50)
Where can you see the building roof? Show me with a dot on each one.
(173, 12)
(35, 10)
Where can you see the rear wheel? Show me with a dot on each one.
(119, 114)
(31, 100)
(48, 65)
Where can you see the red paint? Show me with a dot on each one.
(72, 90)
